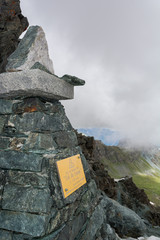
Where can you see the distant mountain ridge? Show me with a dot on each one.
(108, 136)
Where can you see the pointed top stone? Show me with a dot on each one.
(31, 49)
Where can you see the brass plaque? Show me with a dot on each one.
(71, 174)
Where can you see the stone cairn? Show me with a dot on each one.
(34, 134)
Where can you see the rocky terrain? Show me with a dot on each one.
(124, 191)
(12, 24)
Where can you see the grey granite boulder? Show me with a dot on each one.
(31, 49)
(34, 83)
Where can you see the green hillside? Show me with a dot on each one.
(120, 163)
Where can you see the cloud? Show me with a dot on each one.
(115, 46)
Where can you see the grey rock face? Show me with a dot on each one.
(12, 24)
(5, 106)
(20, 161)
(4, 142)
(96, 222)
(124, 220)
(2, 122)
(34, 83)
(5, 235)
(36, 121)
(26, 199)
(31, 224)
(28, 179)
(31, 49)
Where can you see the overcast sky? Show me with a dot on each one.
(114, 45)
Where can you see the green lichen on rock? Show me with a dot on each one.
(38, 65)
(75, 81)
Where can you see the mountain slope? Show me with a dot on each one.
(142, 166)
(107, 136)
(124, 190)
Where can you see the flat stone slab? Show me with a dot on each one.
(34, 83)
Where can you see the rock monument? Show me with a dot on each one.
(34, 134)
(35, 137)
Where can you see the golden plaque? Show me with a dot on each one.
(71, 174)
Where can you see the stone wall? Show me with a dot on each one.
(34, 134)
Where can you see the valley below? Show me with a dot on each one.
(121, 160)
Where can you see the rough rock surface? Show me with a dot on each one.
(98, 171)
(12, 24)
(123, 220)
(128, 194)
(34, 83)
(31, 49)
(125, 191)
(34, 134)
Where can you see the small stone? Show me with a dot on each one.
(31, 49)
(39, 141)
(96, 221)
(4, 142)
(28, 179)
(17, 143)
(84, 162)
(75, 81)
(36, 122)
(20, 161)
(52, 235)
(5, 106)
(21, 237)
(55, 222)
(2, 183)
(93, 188)
(66, 139)
(5, 235)
(73, 227)
(2, 123)
(26, 199)
(31, 224)
(29, 105)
